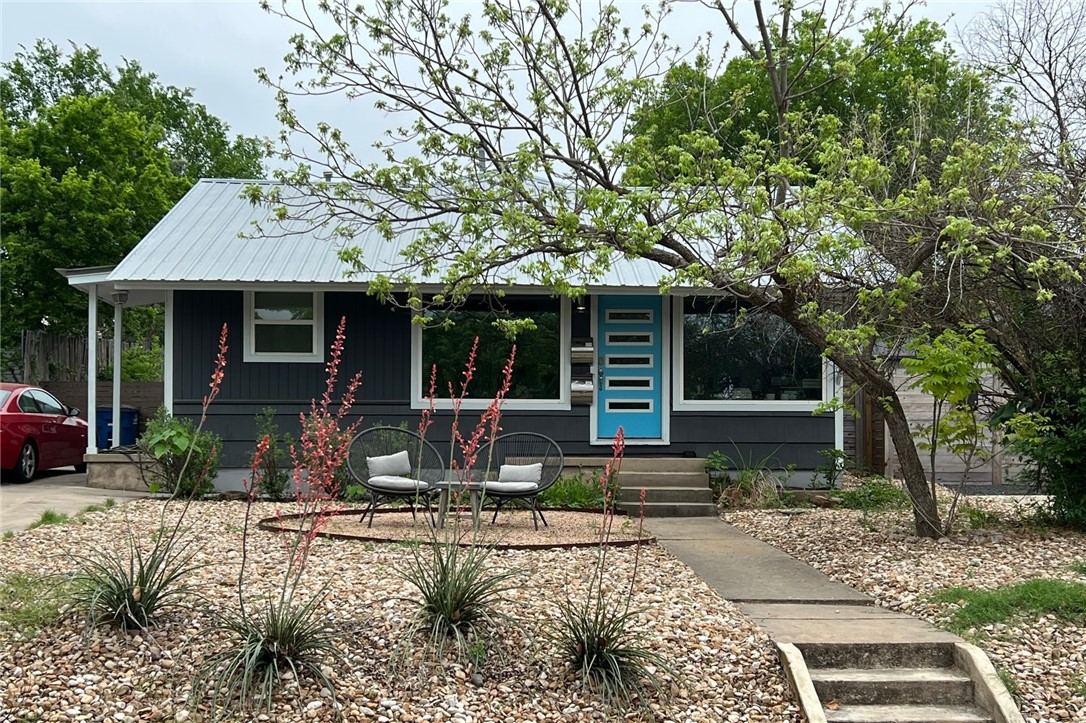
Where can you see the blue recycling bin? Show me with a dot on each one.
(130, 426)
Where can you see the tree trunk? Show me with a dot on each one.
(925, 512)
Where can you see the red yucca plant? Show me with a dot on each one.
(129, 587)
(595, 635)
(283, 635)
(458, 592)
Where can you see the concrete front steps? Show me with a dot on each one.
(674, 486)
(904, 683)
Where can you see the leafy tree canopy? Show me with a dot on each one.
(92, 158)
(198, 143)
(82, 183)
(894, 72)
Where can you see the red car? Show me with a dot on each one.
(38, 432)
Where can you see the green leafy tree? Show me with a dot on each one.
(199, 144)
(878, 80)
(516, 150)
(81, 184)
(92, 158)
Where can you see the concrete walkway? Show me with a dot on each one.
(60, 490)
(789, 599)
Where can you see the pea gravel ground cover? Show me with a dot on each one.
(726, 668)
(1045, 658)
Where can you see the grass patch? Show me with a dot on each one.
(1079, 567)
(49, 517)
(105, 505)
(29, 603)
(9, 535)
(1064, 600)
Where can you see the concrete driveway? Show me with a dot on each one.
(62, 490)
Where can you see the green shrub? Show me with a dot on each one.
(581, 491)
(275, 463)
(130, 588)
(185, 461)
(1053, 436)
(875, 493)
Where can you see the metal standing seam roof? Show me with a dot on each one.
(212, 236)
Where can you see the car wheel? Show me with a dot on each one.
(27, 465)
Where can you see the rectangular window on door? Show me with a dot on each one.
(629, 361)
(630, 405)
(643, 383)
(629, 316)
(629, 338)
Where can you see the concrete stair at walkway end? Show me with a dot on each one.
(895, 683)
(674, 486)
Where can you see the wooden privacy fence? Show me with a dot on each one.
(52, 357)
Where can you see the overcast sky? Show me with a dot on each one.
(213, 46)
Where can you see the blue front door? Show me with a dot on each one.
(628, 364)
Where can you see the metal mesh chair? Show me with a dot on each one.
(394, 464)
(519, 466)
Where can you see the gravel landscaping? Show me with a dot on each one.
(512, 529)
(726, 670)
(877, 554)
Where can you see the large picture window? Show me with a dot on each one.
(284, 326)
(539, 376)
(729, 356)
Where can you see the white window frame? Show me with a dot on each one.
(650, 409)
(443, 402)
(317, 323)
(682, 404)
(648, 342)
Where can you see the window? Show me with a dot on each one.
(540, 371)
(47, 403)
(753, 357)
(284, 326)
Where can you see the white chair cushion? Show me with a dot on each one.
(395, 465)
(521, 473)
(511, 487)
(395, 483)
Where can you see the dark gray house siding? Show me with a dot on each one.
(379, 345)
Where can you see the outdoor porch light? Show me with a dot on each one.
(119, 297)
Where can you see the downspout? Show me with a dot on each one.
(92, 369)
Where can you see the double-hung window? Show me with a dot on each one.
(284, 326)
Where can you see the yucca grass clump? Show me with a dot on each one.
(133, 587)
(597, 641)
(595, 636)
(459, 596)
(459, 591)
(285, 639)
(265, 645)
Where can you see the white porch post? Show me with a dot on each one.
(167, 355)
(118, 339)
(92, 370)
(839, 412)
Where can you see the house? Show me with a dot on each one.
(675, 371)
